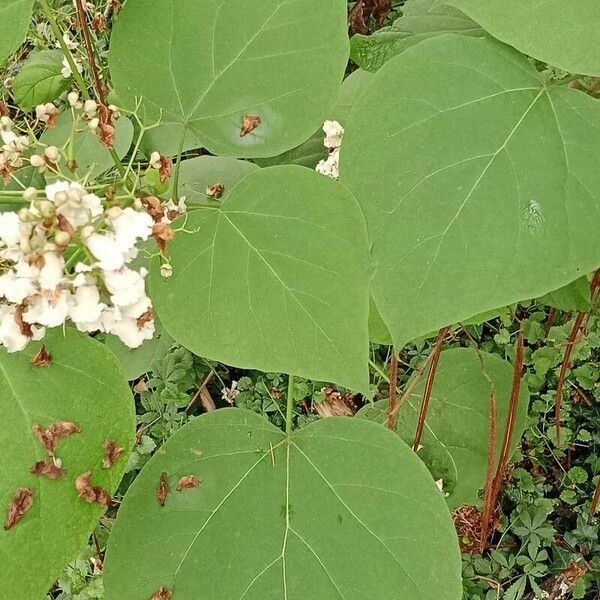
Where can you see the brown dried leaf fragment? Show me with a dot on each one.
(188, 482)
(4, 112)
(46, 468)
(250, 123)
(362, 12)
(18, 507)
(99, 23)
(91, 493)
(112, 453)
(49, 436)
(162, 490)
(166, 168)
(43, 358)
(335, 404)
(215, 190)
(164, 593)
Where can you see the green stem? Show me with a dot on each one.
(177, 169)
(59, 38)
(7, 198)
(379, 370)
(118, 164)
(290, 407)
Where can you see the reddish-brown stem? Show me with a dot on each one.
(393, 399)
(434, 360)
(564, 367)
(511, 418)
(82, 16)
(489, 501)
(595, 501)
(552, 314)
(198, 393)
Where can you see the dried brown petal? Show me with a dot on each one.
(145, 318)
(47, 468)
(51, 117)
(250, 123)
(164, 593)
(162, 233)
(49, 436)
(163, 488)
(215, 190)
(99, 23)
(5, 170)
(18, 507)
(43, 358)
(65, 225)
(112, 453)
(153, 207)
(91, 493)
(166, 168)
(188, 482)
(4, 112)
(24, 327)
(106, 131)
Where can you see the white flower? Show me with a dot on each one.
(49, 310)
(127, 329)
(128, 291)
(86, 311)
(331, 166)
(52, 273)
(231, 393)
(10, 229)
(333, 134)
(155, 160)
(66, 67)
(130, 225)
(106, 250)
(11, 336)
(71, 44)
(19, 283)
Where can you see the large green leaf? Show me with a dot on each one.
(91, 156)
(563, 33)
(480, 185)
(199, 173)
(85, 386)
(207, 63)
(277, 519)
(458, 419)
(277, 279)
(40, 79)
(573, 297)
(420, 20)
(14, 21)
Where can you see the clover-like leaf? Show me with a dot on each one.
(209, 64)
(560, 32)
(83, 386)
(92, 158)
(480, 185)
(14, 21)
(276, 279)
(420, 20)
(458, 419)
(276, 518)
(40, 79)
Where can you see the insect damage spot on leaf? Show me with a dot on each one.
(187, 483)
(163, 488)
(250, 123)
(47, 469)
(112, 453)
(215, 190)
(43, 358)
(163, 594)
(49, 436)
(91, 493)
(18, 507)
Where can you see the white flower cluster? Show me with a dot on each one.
(12, 148)
(334, 133)
(66, 258)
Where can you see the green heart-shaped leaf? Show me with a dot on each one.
(275, 518)
(14, 21)
(207, 63)
(480, 185)
(82, 385)
(458, 419)
(563, 33)
(276, 280)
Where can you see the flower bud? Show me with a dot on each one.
(52, 153)
(30, 194)
(75, 197)
(46, 208)
(60, 198)
(94, 123)
(40, 111)
(166, 270)
(113, 212)
(62, 238)
(73, 98)
(25, 215)
(37, 161)
(90, 107)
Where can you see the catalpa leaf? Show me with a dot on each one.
(480, 187)
(573, 297)
(78, 401)
(276, 279)
(14, 21)
(420, 20)
(311, 499)
(40, 79)
(458, 419)
(560, 32)
(206, 65)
